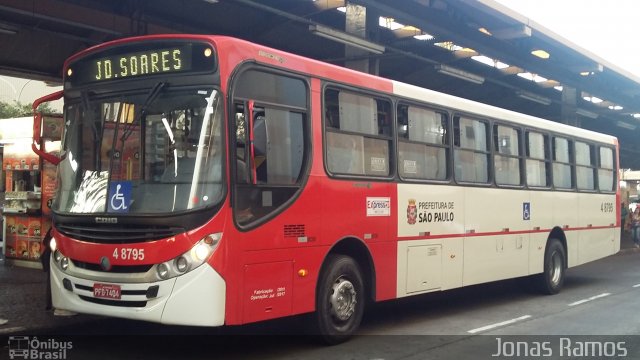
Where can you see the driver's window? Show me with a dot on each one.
(270, 147)
(269, 120)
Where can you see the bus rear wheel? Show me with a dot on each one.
(552, 278)
(339, 299)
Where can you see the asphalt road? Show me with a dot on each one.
(597, 315)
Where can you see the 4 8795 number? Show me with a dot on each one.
(128, 254)
(606, 207)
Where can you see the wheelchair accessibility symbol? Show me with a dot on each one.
(526, 211)
(119, 196)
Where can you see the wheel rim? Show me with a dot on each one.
(555, 268)
(343, 299)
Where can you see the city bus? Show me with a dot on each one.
(210, 181)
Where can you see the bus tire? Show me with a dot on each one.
(552, 278)
(340, 299)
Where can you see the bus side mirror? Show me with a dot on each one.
(37, 129)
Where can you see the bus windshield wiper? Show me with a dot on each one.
(153, 94)
(97, 134)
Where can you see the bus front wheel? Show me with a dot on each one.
(552, 278)
(339, 299)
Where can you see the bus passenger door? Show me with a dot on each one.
(269, 155)
(269, 151)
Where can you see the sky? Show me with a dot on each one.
(25, 91)
(606, 29)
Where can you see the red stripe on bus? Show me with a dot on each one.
(495, 233)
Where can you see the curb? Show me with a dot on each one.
(628, 251)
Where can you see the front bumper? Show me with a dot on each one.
(196, 298)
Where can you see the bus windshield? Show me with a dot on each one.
(152, 151)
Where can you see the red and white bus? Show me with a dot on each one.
(206, 180)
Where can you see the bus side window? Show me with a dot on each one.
(357, 133)
(278, 142)
(271, 142)
(537, 162)
(562, 163)
(422, 143)
(606, 172)
(507, 158)
(345, 153)
(471, 152)
(585, 165)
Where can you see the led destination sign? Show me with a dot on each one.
(142, 63)
(141, 60)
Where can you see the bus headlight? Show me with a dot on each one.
(163, 271)
(61, 260)
(53, 245)
(182, 264)
(201, 252)
(191, 259)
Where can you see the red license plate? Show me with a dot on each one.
(106, 291)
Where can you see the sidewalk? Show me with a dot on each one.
(22, 302)
(626, 244)
(22, 298)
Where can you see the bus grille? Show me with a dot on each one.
(117, 234)
(294, 230)
(120, 269)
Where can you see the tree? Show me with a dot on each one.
(17, 109)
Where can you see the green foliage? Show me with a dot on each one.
(17, 109)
